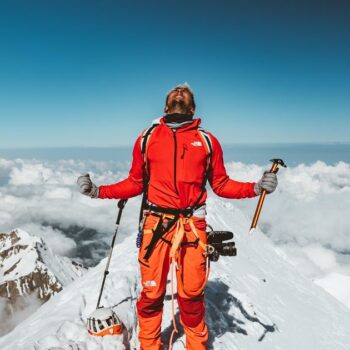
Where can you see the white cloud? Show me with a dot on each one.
(14, 313)
(309, 206)
(55, 239)
(30, 174)
(309, 210)
(43, 199)
(323, 258)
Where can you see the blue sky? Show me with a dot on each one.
(95, 73)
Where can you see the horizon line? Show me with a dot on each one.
(323, 143)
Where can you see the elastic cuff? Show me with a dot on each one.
(94, 191)
(257, 189)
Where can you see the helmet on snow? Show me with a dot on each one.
(103, 321)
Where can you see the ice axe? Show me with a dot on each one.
(274, 169)
(103, 321)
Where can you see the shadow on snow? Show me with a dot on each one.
(219, 319)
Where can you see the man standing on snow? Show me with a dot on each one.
(172, 161)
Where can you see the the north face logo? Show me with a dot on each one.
(150, 283)
(196, 143)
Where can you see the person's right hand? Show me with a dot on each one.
(87, 187)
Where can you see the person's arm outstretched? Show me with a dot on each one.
(130, 187)
(220, 182)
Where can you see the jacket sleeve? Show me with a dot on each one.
(220, 182)
(133, 185)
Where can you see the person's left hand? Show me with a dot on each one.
(268, 182)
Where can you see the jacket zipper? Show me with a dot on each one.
(184, 149)
(175, 156)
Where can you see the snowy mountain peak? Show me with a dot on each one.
(27, 265)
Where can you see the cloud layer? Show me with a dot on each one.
(307, 215)
(309, 206)
(43, 199)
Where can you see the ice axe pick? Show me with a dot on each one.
(274, 169)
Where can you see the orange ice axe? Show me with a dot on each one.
(274, 169)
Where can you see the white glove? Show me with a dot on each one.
(268, 182)
(87, 187)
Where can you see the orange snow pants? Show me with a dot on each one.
(191, 279)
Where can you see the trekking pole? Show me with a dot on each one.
(274, 169)
(121, 205)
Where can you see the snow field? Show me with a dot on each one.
(257, 300)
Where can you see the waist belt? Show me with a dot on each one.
(185, 212)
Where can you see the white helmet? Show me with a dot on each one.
(104, 321)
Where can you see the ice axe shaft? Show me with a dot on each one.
(121, 205)
(274, 169)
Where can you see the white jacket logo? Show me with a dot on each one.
(150, 283)
(196, 143)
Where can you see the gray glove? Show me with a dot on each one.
(268, 182)
(87, 187)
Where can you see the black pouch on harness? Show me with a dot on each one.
(218, 247)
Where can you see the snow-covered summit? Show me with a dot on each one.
(254, 301)
(27, 266)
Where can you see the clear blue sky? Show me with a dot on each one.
(95, 73)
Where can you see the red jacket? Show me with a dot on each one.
(177, 160)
